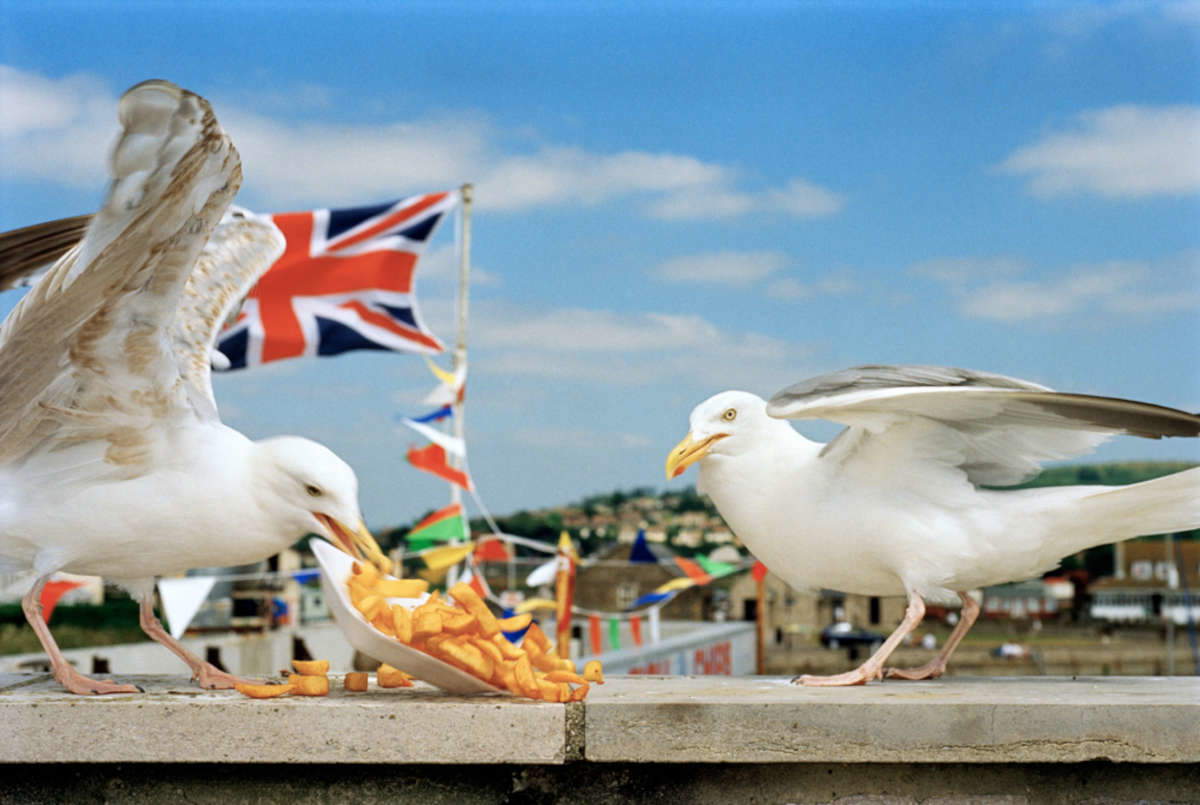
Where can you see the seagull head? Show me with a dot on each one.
(314, 491)
(726, 424)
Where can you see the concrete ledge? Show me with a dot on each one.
(956, 720)
(630, 720)
(175, 722)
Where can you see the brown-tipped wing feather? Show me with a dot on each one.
(1000, 428)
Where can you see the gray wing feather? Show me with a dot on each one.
(1004, 427)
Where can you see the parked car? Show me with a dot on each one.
(843, 633)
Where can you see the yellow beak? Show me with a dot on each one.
(688, 452)
(358, 542)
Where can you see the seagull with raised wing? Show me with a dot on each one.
(902, 501)
(113, 458)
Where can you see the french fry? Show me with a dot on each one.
(516, 623)
(525, 678)
(566, 665)
(593, 672)
(367, 572)
(263, 691)
(385, 622)
(545, 662)
(506, 647)
(580, 693)
(489, 648)
(549, 690)
(389, 677)
(536, 636)
(309, 685)
(468, 657)
(355, 681)
(458, 623)
(401, 588)
(370, 606)
(311, 667)
(402, 620)
(471, 602)
(566, 676)
(564, 692)
(426, 624)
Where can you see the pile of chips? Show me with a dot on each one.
(464, 633)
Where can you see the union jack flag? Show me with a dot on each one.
(344, 282)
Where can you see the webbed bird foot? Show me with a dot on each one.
(859, 676)
(930, 670)
(210, 677)
(81, 685)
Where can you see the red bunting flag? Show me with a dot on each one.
(432, 459)
(52, 592)
(595, 634)
(693, 570)
(490, 549)
(759, 571)
(635, 629)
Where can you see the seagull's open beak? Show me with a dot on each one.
(688, 452)
(357, 542)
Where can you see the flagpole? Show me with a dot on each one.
(460, 347)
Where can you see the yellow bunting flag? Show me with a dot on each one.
(534, 604)
(446, 555)
(448, 379)
(681, 583)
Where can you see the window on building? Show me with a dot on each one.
(873, 610)
(1142, 569)
(627, 593)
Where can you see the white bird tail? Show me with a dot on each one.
(1157, 506)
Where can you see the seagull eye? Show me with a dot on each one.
(314, 491)
(729, 415)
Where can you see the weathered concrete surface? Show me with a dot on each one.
(1095, 783)
(175, 722)
(983, 720)
(647, 720)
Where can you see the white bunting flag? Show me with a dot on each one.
(451, 444)
(543, 574)
(181, 600)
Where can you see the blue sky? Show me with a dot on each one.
(676, 200)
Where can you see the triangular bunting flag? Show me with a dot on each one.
(640, 552)
(452, 444)
(542, 574)
(693, 570)
(681, 583)
(441, 526)
(52, 592)
(432, 459)
(446, 556)
(491, 549)
(714, 568)
(759, 571)
(649, 598)
(181, 599)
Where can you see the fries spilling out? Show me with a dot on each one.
(464, 633)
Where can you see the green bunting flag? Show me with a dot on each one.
(614, 634)
(441, 526)
(713, 568)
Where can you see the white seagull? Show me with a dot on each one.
(900, 502)
(113, 459)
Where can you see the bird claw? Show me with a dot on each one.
(859, 676)
(81, 685)
(209, 677)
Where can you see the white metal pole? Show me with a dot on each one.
(460, 347)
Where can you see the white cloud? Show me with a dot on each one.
(629, 349)
(722, 268)
(59, 130)
(1113, 288)
(790, 289)
(1117, 152)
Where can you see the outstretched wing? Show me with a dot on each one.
(241, 249)
(26, 254)
(88, 353)
(996, 429)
